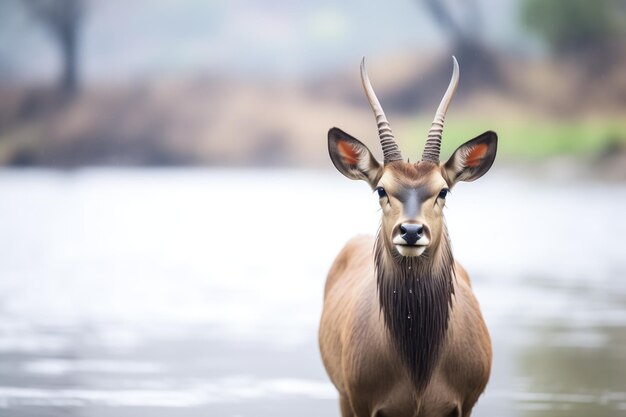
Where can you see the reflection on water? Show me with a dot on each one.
(183, 293)
(577, 367)
(572, 364)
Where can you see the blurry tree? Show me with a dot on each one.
(62, 19)
(593, 32)
(463, 21)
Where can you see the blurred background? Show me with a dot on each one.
(155, 155)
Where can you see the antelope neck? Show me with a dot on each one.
(415, 295)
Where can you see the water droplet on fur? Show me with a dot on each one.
(409, 266)
(410, 291)
(409, 317)
(394, 291)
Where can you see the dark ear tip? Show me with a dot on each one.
(334, 132)
(494, 137)
(491, 134)
(491, 137)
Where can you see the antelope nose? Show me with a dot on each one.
(411, 232)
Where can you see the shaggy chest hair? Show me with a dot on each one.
(415, 295)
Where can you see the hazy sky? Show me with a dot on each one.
(133, 39)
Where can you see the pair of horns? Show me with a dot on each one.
(391, 152)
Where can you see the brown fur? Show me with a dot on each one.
(365, 367)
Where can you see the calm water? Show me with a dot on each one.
(188, 293)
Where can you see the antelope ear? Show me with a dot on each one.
(472, 159)
(352, 158)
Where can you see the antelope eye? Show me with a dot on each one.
(381, 192)
(443, 193)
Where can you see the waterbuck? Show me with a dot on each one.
(401, 332)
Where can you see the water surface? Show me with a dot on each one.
(191, 293)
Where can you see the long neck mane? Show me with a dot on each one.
(415, 297)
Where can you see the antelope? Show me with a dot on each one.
(401, 332)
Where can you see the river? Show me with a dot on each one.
(198, 292)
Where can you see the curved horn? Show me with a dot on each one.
(433, 143)
(391, 152)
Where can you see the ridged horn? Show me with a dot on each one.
(433, 143)
(391, 152)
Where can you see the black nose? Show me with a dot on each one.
(411, 232)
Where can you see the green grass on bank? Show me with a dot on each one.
(527, 139)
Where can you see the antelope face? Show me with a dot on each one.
(411, 195)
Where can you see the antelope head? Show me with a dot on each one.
(412, 195)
